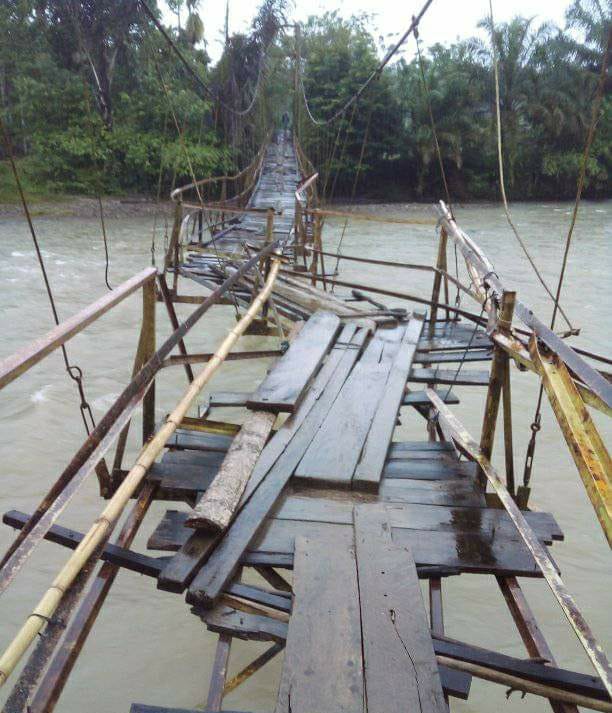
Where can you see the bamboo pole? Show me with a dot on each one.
(102, 527)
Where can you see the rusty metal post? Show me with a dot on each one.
(148, 350)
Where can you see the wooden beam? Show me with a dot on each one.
(585, 444)
(218, 504)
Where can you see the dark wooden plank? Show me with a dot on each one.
(490, 554)
(430, 470)
(290, 376)
(170, 533)
(399, 660)
(433, 446)
(144, 708)
(274, 600)
(442, 343)
(545, 674)
(323, 667)
(237, 399)
(419, 398)
(369, 470)
(449, 376)
(455, 683)
(448, 357)
(120, 556)
(432, 492)
(213, 577)
(198, 441)
(253, 627)
(193, 458)
(179, 480)
(330, 460)
(420, 517)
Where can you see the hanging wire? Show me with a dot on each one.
(427, 92)
(501, 173)
(191, 71)
(595, 115)
(74, 371)
(374, 75)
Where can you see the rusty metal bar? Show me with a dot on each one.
(585, 444)
(253, 667)
(467, 444)
(56, 676)
(219, 674)
(106, 431)
(18, 363)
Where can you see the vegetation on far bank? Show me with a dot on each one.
(91, 95)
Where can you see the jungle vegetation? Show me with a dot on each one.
(95, 101)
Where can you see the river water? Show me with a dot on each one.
(146, 645)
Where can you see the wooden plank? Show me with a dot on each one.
(449, 357)
(331, 460)
(290, 376)
(144, 708)
(419, 398)
(252, 627)
(399, 661)
(323, 667)
(449, 376)
(274, 600)
(228, 399)
(213, 577)
(199, 441)
(218, 505)
(195, 549)
(545, 674)
(179, 481)
(368, 472)
(430, 470)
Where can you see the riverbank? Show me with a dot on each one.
(87, 207)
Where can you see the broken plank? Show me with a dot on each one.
(218, 505)
(212, 578)
(368, 472)
(323, 667)
(290, 376)
(399, 659)
(253, 627)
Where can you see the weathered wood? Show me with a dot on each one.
(290, 376)
(213, 577)
(190, 440)
(228, 399)
(253, 627)
(218, 505)
(399, 660)
(419, 398)
(449, 376)
(323, 667)
(368, 472)
(439, 469)
(332, 461)
(214, 700)
(449, 357)
(274, 600)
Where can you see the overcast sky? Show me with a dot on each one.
(444, 22)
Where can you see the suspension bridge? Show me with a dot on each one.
(311, 522)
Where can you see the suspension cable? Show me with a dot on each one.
(74, 371)
(500, 161)
(191, 71)
(427, 92)
(374, 75)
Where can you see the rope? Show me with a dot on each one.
(500, 161)
(74, 371)
(595, 113)
(374, 75)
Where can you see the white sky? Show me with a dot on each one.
(444, 22)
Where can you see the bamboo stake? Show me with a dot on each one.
(522, 684)
(102, 527)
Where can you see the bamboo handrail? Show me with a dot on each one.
(102, 527)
